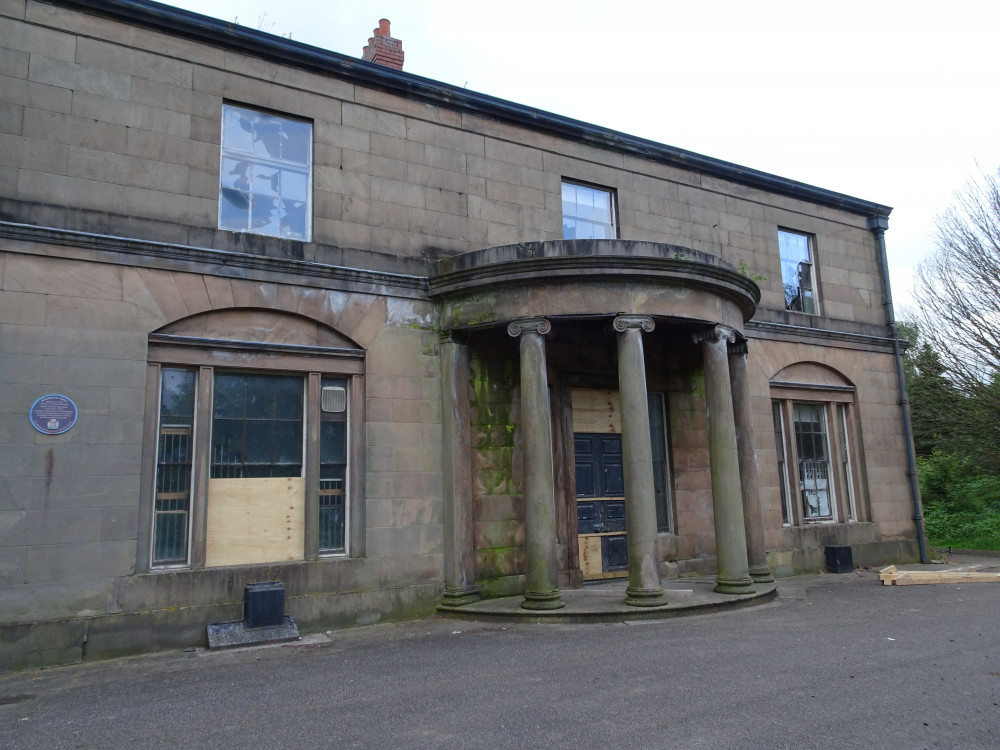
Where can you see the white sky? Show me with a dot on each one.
(894, 101)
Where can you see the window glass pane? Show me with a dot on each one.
(587, 213)
(294, 185)
(814, 466)
(845, 459)
(258, 436)
(228, 397)
(259, 397)
(779, 442)
(333, 475)
(237, 129)
(797, 272)
(332, 515)
(237, 174)
(170, 538)
(234, 210)
(287, 437)
(287, 398)
(333, 442)
(293, 219)
(174, 461)
(257, 430)
(177, 393)
(227, 444)
(267, 136)
(297, 142)
(266, 180)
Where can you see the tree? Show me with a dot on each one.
(958, 286)
(958, 292)
(935, 403)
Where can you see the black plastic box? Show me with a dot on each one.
(839, 559)
(264, 604)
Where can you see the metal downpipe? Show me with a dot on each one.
(878, 225)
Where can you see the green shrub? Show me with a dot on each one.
(962, 529)
(961, 502)
(954, 480)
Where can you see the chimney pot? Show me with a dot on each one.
(382, 48)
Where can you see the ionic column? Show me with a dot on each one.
(541, 564)
(644, 589)
(749, 480)
(456, 448)
(727, 498)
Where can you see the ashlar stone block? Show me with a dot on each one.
(177, 98)
(96, 53)
(373, 120)
(29, 153)
(57, 45)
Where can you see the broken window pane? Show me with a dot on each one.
(265, 175)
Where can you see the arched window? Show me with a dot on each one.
(251, 438)
(815, 428)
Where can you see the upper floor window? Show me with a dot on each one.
(588, 212)
(266, 174)
(798, 272)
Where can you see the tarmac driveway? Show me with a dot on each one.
(836, 662)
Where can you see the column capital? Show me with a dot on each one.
(740, 347)
(715, 334)
(623, 322)
(528, 325)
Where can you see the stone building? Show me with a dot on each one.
(269, 312)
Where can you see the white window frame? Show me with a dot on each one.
(250, 173)
(847, 466)
(794, 271)
(782, 459)
(804, 483)
(846, 486)
(576, 212)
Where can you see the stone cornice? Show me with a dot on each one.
(221, 262)
(597, 261)
(786, 332)
(167, 339)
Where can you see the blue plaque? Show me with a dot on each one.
(53, 414)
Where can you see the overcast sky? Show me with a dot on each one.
(891, 101)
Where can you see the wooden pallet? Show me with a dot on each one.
(892, 577)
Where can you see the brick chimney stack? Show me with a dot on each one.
(383, 49)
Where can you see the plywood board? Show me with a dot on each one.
(596, 411)
(590, 556)
(255, 521)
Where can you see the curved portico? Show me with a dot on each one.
(594, 313)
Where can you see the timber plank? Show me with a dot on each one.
(891, 576)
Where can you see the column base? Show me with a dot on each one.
(645, 597)
(543, 600)
(460, 596)
(743, 585)
(762, 575)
